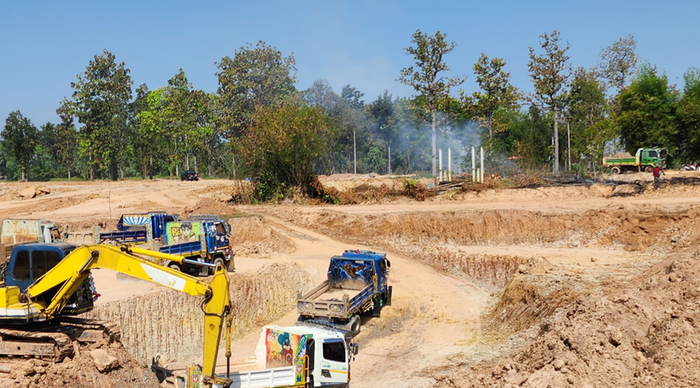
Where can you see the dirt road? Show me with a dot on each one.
(434, 319)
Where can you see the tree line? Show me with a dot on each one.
(258, 124)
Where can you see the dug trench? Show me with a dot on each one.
(477, 293)
(542, 273)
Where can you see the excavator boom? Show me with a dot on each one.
(70, 272)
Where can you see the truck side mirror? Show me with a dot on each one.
(354, 348)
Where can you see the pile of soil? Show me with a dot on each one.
(93, 366)
(645, 333)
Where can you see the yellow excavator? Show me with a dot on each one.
(46, 283)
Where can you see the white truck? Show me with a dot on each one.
(22, 231)
(15, 231)
(298, 356)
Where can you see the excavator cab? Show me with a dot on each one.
(30, 262)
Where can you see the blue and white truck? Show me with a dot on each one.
(357, 283)
(200, 240)
(138, 228)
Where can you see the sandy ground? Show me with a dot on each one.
(436, 315)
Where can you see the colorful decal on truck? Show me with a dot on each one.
(135, 219)
(342, 271)
(284, 349)
(183, 231)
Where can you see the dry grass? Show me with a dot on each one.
(170, 323)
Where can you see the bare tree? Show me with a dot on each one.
(618, 61)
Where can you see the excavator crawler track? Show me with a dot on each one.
(54, 341)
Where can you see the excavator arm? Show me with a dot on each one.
(74, 269)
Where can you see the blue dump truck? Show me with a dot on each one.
(200, 239)
(356, 284)
(139, 228)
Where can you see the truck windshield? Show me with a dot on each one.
(21, 270)
(334, 351)
(43, 261)
(653, 154)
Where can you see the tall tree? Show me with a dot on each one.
(255, 76)
(588, 110)
(101, 99)
(618, 61)
(424, 77)
(550, 74)
(20, 135)
(689, 114)
(151, 127)
(647, 112)
(498, 93)
(66, 145)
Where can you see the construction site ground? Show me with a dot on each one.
(591, 284)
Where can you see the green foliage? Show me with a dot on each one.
(375, 160)
(424, 77)
(100, 102)
(647, 110)
(20, 136)
(497, 93)
(588, 117)
(550, 73)
(256, 77)
(281, 146)
(689, 115)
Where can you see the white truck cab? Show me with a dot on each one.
(299, 356)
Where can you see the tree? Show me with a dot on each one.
(587, 113)
(101, 99)
(618, 61)
(647, 112)
(66, 145)
(689, 114)
(550, 74)
(21, 137)
(150, 126)
(423, 77)
(497, 93)
(255, 77)
(383, 121)
(145, 145)
(280, 147)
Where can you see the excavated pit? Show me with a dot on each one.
(170, 323)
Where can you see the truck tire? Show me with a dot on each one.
(649, 169)
(218, 260)
(387, 300)
(175, 266)
(354, 324)
(616, 170)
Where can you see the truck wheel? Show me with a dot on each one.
(354, 324)
(649, 169)
(217, 261)
(616, 170)
(175, 266)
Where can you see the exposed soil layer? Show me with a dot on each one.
(115, 369)
(644, 333)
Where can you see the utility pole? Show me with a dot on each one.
(354, 152)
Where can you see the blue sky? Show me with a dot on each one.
(45, 44)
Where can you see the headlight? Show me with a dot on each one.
(306, 306)
(336, 308)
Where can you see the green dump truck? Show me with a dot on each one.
(644, 160)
